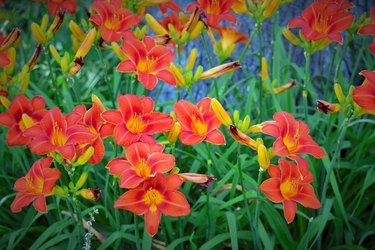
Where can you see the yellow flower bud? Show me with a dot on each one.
(60, 191)
(82, 159)
(264, 73)
(198, 73)
(76, 31)
(339, 94)
(255, 129)
(64, 64)
(82, 180)
(195, 32)
(155, 25)
(191, 59)
(86, 44)
(245, 123)
(236, 116)
(11, 38)
(271, 8)
(56, 24)
(174, 132)
(54, 53)
(177, 74)
(263, 157)
(38, 33)
(118, 51)
(44, 23)
(25, 82)
(291, 37)
(98, 102)
(220, 112)
(12, 57)
(4, 101)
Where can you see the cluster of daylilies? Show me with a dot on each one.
(149, 174)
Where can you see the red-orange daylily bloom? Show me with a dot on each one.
(216, 10)
(290, 184)
(91, 119)
(22, 114)
(55, 5)
(155, 196)
(142, 161)
(324, 19)
(148, 60)
(112, 19)
(135, 120)
(292, 137)
(38, 183)
(364, 95)
(369, 29)
(56, 133)
(198, 122)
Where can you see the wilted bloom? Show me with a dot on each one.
(135, 120)
(369, 29)
(215, 10)
(220, 70)
(326, 107)
(153, 197)
(35, 57)
(22, 114)
(324, 19)
(200, 179)
(82, 52)
(292, 137)
(112, 19)
(284, 87)
(364, 95)
(5, 43)
(198, 122)
(38, 183)
(148, 60)
(242, 138)
(90, 193)
(57, 134)
(141, 162)
(55, 5)
(290, 184)
(229, 37)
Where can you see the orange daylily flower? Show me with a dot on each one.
(292, 137)
(324, 19)
(91, 119)
(22, 114)
(364, 95)
(290, 184)
(57, 133)
(369, 29)
(135, 120)
(198, 122)
(142, 161)
(148, 60)
(55, 5)
(112, 19)
(229, 37)
(38, 183)
(155, 196)
(215, 10)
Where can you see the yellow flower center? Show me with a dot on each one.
(143, 169)
(34, 189)
(153, 198)
(321, 23)
(58, 138)
(113, 22)
(291, 142)
(25, 122)
(289, 189)
(135, 124)
(198, 127)
(146, 65)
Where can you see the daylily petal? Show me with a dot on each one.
(290, 209)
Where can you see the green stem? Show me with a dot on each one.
(260, 82)
(257, 244)
(338, 66)
(333, 160)
(328, 80)
(355, 68)
(53, 78)
(306, 81)
(210, 63)
(108, 84)
(208, 212)
(137, 240)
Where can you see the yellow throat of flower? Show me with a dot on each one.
(58, 138)
(198, 127)
(143, 169)
(135, 124)
(153, 198)
(289, 189)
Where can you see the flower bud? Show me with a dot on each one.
(76, 31)
(34, 59)
(4, 101)
(86, 44)
(245, 123)
(263, 157)
(177, 74)
(220, 112)
(11, 38)
(56, 24)
(271, 8)
(236, 116)
(339, 94)
(38, 33)
(12, 58)
(220, 70)
(198, 73)
(82, 159)
(54, 53)
(285, 87)
(44, 23)
(155, 25)
(98, 102)
(174, 132)
(196, 30)
(191, 60)
(82, 180)
(291, 37)
(118, 51)
(264, 73)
